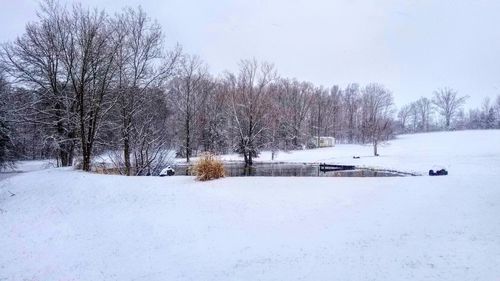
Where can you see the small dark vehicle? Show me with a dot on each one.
(441, 172)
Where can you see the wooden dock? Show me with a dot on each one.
(323, 167)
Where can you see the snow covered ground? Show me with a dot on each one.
(69, 225)
(27, 166)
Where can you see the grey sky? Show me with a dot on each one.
(413, 47)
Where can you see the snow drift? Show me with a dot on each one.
(69, 225)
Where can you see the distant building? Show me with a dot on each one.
(324, 141)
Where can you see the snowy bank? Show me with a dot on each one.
(69, 225)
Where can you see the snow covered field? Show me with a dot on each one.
(69, 225)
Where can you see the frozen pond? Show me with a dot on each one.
(293, 170)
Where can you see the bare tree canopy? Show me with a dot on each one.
(448, 103)
(81, 83)
(377, 113)
(7, 152)
(189, 89)
(249, 102)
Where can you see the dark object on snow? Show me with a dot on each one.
(168, 171)
(329, 167)
(356, 157)
(441, 172)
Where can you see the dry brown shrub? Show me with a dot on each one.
(208, 167)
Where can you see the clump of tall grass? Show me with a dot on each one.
(208, 167)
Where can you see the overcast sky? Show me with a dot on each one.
(413, 47)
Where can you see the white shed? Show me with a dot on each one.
(324, 141)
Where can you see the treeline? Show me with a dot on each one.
(444, 111)
(79, 83)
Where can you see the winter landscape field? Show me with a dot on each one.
(62, 224)
(145, 140)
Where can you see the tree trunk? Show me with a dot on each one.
(188, 149)
(319, 124)
(63, 156)
(375, 148)
(188, 140)
(86, 162)
(295, 140)
(86, 152)
(126, 155)
(245, 157)
(71, 153)
(65, 153)
(65, 147)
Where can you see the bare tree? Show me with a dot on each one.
(141, 64)
(448, 103)
(7, 154)
(496, 107)
(423, 108)
(351, 103)
(334, 117)
(35, 60)
(153, 142)
(487, 115)
(404, 116)
(249, 105)
(296, 102)
(318, 113)
(377, 108)
(275, 133)
(188, 94)
(214, 120)
(89, 59)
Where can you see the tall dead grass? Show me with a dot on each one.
(208, 167)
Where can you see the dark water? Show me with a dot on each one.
(293, 170)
